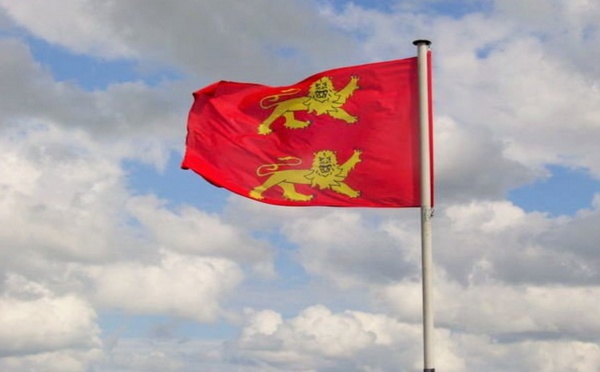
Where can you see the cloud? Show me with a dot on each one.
(132, 119)
(34, 320)
(142, 354)
(193, 232)
(578, 234)
(515, 90)
(60, 196)
(468, 161)
(57, 361)
(78, 30)
(507, 313)
(28, 90)
(532, 104)
(318, 339)
(568, 28)
(553, 124)
(342, 247)
(184, 286)
(513, 246)
(225, 38)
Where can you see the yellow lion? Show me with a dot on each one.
(325, 173)
(322, 99)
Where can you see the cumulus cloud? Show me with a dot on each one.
(507, 313)
(135, 120)
(579, 234)
(568, 28)
(57, 361)
(34, 320)
(190, 287)
(506, 285)
(79, 31)
(60, 196)
(537, 107)
(468, 164)
(225, 38)
(553, 124)
(194, 232)
(318, 339)
(515, 90)
(342, 247)
(498, 240)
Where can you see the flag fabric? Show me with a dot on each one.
(347, 137)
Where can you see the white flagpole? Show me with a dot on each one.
(426, 209)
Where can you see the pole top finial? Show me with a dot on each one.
(422, 41)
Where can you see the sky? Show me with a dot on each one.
(112, 258)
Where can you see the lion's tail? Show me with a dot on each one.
(267, 169)
(272, 100)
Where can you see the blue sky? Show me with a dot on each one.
(113, 258)
(564, 192)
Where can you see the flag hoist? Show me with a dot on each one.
(358, 136)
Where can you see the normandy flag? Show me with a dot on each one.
(347, 137)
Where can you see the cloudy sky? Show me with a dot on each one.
(115, 259)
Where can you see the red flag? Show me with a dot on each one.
(347, 137)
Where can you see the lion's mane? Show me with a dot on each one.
(325, 170)
(322, 96)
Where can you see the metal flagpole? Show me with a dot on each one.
(426, 209)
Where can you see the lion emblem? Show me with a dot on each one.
(322, 99)
(325, 173)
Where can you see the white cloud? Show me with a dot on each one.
(497, 77)
(60, 196)
(57, 361)
(194, 232)
(28, 90)
(341, 246)
(142, 354)
(483, 353)
(34, 320)
(318, 339)
(516, 89)
(70, 23)
(548, 114)
(502, 311)
(579, 234)
(468, 161)
(209, 37)
(569, 28)
(128, 120)
(178, 285)
(516, 247)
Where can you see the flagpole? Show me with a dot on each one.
(426, 204)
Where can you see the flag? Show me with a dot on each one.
(347, 137)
